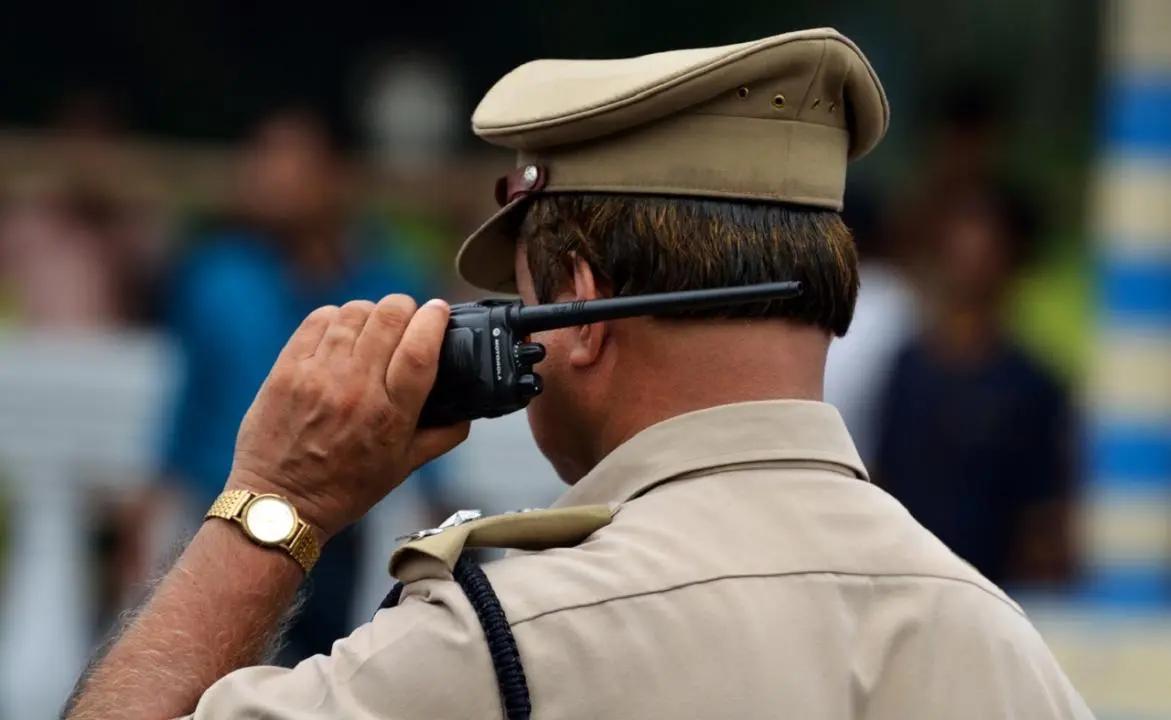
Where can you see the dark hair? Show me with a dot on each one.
(642, 244)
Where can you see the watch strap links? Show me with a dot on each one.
(304, 548)
(229, 504)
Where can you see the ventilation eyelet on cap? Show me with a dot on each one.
(778, 101)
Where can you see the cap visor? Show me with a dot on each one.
(487, 259)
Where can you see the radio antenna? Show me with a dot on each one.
(581, 312)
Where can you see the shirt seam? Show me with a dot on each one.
(714, 471)
(719, 463)
(750, 576)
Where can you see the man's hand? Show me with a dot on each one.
(333, 430)
(333, 427)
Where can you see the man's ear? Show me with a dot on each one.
(590, 338)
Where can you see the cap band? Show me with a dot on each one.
(707, 156)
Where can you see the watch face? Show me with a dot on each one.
(270, 519)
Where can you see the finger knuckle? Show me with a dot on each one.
(331, 403)
(311, 386)
(382, 415)
(358, 306)
(282, 380)
(415, 358)
(346, 398)
(355, 311)
(395, 311)
(339, 406)
(392, 320)
(325, 312)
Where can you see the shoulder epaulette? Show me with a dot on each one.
(439, 551)
(522, 530)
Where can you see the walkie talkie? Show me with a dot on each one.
(486, 362)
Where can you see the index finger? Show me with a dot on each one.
(416, 359)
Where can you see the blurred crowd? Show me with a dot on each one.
(952, 415)
(973, 433)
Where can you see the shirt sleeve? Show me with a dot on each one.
(426, 658)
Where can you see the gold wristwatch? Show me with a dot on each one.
(269, 521)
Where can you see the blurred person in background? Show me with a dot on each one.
(294, 245)
(964, 148)
(79, 240)
(58, 266)
(974, 436)
(884, 318)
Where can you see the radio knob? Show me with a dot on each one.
(530, 353)
(528, 385)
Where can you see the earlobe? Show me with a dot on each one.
(589, 339)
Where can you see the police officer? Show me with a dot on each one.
(720, 552)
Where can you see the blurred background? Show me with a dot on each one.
(181, 182)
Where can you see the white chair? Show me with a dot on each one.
(78, 414)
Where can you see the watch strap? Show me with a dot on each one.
(229, 504)
(303, 547)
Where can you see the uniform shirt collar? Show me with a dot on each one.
(797, 431)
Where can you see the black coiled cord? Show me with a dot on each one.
(510, 673)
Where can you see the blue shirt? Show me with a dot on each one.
(236, 301)
(969, 449)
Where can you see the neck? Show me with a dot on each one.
(665, 368)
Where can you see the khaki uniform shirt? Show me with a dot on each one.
(750, 571)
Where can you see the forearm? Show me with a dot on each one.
(214, 612)
(331, 431)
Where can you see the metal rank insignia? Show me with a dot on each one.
(459, 517)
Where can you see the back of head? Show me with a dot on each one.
(608, 381)
(639, 244)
